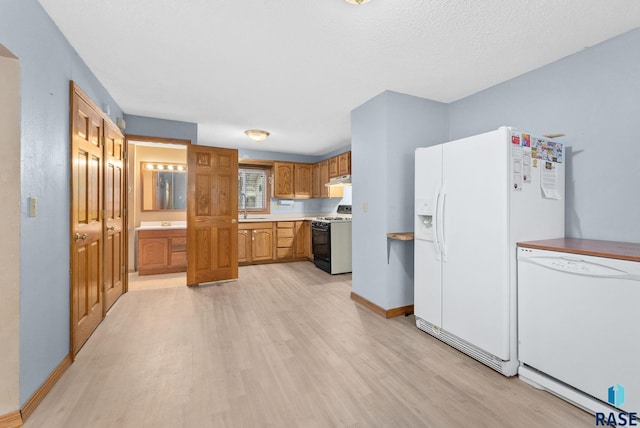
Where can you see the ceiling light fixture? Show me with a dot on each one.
(257, 135)
(356, 1)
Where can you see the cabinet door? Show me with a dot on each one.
(324, 178)
(261, 244)
(302, 180)
(153, 253)
(302, 246)
(283, 180)
(344, 163)
(244, 246)
(333, 167)
(315, 180)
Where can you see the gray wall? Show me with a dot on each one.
(594, 98)
(385, 132)
(152, 127)
(48, 62)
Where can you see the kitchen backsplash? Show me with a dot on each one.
(295, 206)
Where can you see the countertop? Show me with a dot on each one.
(162, 225)
(588, 247)
(282, 217)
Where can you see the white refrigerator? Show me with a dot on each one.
(475, 198)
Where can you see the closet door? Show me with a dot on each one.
(86, 218)
(114, 220)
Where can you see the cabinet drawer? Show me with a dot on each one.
(179, 244)
(178, 259)
(285, 233)
(285, 242)
(284, 253)
(286, 224)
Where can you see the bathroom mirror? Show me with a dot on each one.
(164, 186)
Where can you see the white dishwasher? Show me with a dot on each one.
(578, 321)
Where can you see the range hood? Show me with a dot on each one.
(341, 181)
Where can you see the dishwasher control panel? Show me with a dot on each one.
(567, 263)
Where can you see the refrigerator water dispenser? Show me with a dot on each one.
(424, 220)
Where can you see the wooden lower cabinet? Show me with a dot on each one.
(273, 242)
(162, 251)
(255, 242)
(261, 244)
(285, 231)
(303, 239)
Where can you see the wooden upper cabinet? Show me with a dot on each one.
(283, 177)
(324, 178)
(344, 163)
(333, 167)
(302, 180)
(315, 181)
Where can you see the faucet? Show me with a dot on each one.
(243, 196)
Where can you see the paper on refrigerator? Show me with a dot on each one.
(549, 181)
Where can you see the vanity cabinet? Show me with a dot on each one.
(162, 251)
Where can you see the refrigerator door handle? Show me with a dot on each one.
(443, 245)
(436, 221)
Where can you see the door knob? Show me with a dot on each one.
(80, 237)
(110, 228)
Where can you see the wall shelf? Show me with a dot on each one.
(397, 236)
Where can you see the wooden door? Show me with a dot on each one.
(212, 214)
(115, 224)
(86, 219)
(302, 180)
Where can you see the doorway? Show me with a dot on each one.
(157, 197)
(206, 244)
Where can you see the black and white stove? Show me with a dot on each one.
(331, 241)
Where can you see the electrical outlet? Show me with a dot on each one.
(365, 207)
(33, 206)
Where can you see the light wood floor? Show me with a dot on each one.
(152, 282)
(282, 347)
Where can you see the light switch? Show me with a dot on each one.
(33, 206)
(365, 207)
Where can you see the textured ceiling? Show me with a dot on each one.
(298, 67)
